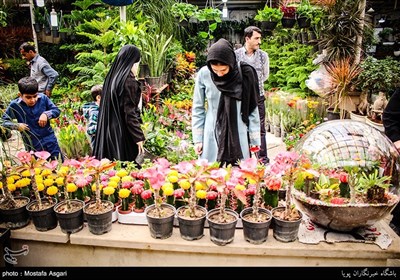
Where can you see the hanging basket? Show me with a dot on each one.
(118, 2)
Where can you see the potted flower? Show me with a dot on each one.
(192, 176)
(160, 215)
(99, 212)
(287, 218)
(222, 221)
(41, 210)
(256, 220)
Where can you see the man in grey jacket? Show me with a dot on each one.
(41, 70)
(259, 59)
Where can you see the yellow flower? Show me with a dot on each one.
(63, 171)
(167, 185)
(199, 186)
(201, 194)
(25, 173)
(184, 184)
(25, 182)
(60, 181)
(126, 179)
(40, 187)
(46, 172)
(122, 173)
(11, 187)
(16, 177)
(1, 185)
(240, 187)
(211, 182)
(48, 182)
(10, 180)
(252, 181)
(173, 173)
(168, 190)
(71, 187)
(37, 171)
(115, 179)
(52, 190)
(124, 193)
(108, 190)
(94, 187)
(173, 178)
(113, 184)
(38, 179)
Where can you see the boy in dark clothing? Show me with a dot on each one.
(33, 110)
(91, 112)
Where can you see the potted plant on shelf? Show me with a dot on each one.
(287, 218)
(160, 215)
(192, 177)
(99, 212)
(41, 209)
(256, 220)
(222, 221)
(12, 208)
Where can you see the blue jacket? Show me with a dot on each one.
(36, 138)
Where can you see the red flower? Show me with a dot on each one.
(337, 200)
(343, 178)
(254, 149)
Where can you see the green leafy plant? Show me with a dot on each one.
(268, 14)
(183, 11)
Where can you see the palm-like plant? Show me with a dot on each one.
(343, 73)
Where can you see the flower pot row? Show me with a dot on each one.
(69, 214)
(222, 226)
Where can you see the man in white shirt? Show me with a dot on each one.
(253, 55)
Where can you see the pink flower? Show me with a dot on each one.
(179, 193)
(146, 194)
(212, 195)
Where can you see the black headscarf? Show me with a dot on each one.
(237, 84)
(110, 133)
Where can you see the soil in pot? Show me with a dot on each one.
(256, 227)
(191, 227)
(43, 218)
(99, 219)
(17, 216)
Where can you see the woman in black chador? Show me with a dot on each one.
(119, 135)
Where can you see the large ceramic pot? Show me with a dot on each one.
(17, 217)
(191, 228)
(160, 227)
(343, 217)
(44, 219)
(222, 233)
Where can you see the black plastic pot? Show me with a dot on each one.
(99, 223)
(160, 227)
(16, 217)
(222, 233)
(191, 229)
(44, 219)
(70, 222)
(255, 232)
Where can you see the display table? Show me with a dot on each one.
(132, 245)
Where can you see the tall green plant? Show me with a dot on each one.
(154, 52)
